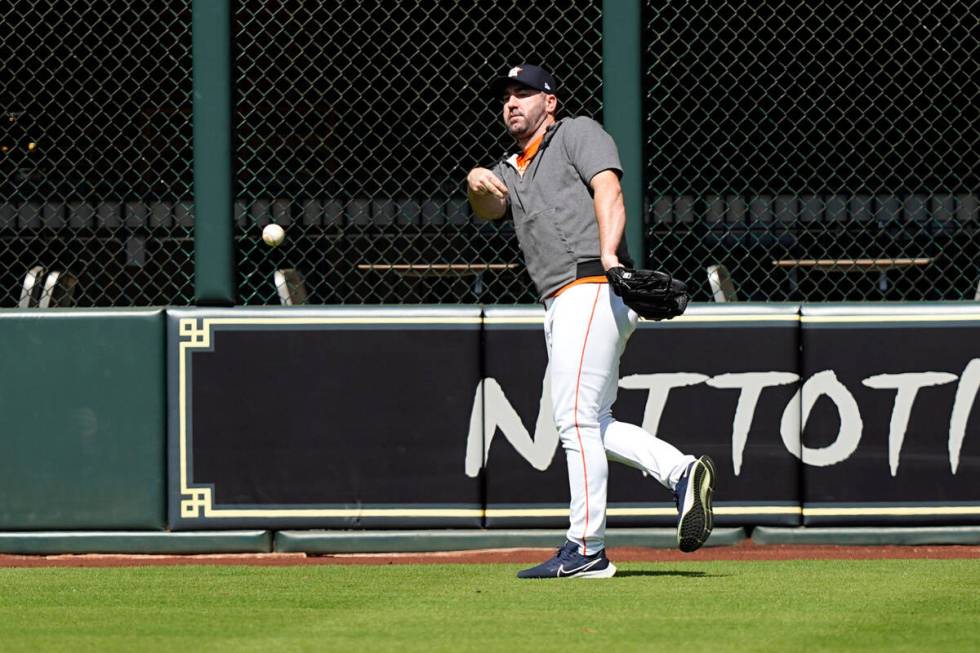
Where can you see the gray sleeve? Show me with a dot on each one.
(590, 148)
(498, 171)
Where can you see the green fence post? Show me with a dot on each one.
(214, 253)
(622, 108)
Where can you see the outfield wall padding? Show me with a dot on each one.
(892, 436)
(687, 381)
(53, 543)
(436, 417)
(82, 419)
(465, 540)
(869, 536)
(329, 417)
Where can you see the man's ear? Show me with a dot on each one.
(551, 103)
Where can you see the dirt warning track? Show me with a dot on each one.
(743, 551)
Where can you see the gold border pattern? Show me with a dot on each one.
(197, 502)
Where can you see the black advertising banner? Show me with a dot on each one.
(435, 417)
(717, 381)
(322, 417)
(890, 432)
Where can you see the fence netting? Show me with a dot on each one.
(356, 125)
(817, 151)
(96, 178)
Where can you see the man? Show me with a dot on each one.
(562, 190)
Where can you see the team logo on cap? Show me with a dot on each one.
(514, 72)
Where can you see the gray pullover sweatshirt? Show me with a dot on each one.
(552, 204)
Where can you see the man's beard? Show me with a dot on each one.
(517, 130)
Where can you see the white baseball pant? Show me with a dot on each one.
(586, 330)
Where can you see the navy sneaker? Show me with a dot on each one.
(693, 497)
(569, 563)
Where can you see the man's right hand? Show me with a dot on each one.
(483, 182)
(487, 194)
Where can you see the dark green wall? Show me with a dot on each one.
(82, 419)
(83, 415)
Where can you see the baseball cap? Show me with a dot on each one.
(529, 75)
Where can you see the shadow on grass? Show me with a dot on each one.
(649, 572)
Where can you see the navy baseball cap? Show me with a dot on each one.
(529, 75)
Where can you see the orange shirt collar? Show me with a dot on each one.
(524, 158)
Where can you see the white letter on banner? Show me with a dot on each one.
(908, 385)
(492, 410)
(659, 386)
(848, 437)
(751, 385)
(966, 394)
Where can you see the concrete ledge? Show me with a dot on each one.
(463, 540)
(868, 536)
(136, 542)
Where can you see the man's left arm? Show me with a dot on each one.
(610, 214)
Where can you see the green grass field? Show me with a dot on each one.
(883, 605)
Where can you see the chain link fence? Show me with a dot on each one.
(817, 151)
(96, 178)
(356, 125)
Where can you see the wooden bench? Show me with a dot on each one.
(879, 265)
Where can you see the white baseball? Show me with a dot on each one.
(273, 235)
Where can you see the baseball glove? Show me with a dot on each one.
(653, 294)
